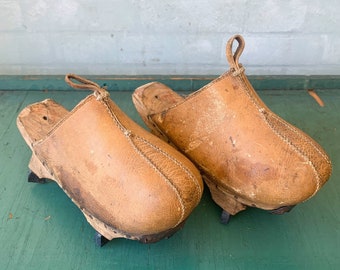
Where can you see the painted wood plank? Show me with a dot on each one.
(178, 83)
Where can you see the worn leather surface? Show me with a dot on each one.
(116, 171)
(243, 148)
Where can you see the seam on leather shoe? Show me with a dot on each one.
(128, 135)
(185, 169)
(302, 137)
(282, 137)
(167, 180)
(299, 151)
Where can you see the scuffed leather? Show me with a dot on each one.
(242, 146)
(117, 172)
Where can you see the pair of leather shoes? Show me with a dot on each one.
(139, 185)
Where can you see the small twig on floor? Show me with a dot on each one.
(314, 95)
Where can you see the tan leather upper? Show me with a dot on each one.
(241, 145)
(118, 172)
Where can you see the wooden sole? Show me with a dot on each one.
(158, 99)
(227, 201)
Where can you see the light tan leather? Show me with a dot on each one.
(248, 154)
(123, 177)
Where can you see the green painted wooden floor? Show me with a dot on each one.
(40, 228)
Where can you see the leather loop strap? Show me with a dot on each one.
(233, 58)
(82, 83)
